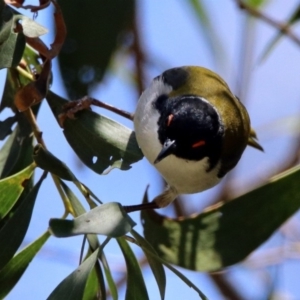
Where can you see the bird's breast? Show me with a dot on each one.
(188, 176)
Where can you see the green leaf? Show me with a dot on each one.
(12, 40)
(94, 244)
(227, 234)
(101, 143)
(48, 162)
(136, 288)
(10, 89)
(108, 219)
(15, 268)
(91, 287)
(16, 153)
(256, 3)
(110, 281)
(11, 189)
(5, 127)
(14, 230)
(100, 34)
(31, 28)
(72, 287)
(155, 265)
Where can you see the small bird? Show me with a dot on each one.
(193, 129)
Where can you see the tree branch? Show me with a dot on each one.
(282, 27)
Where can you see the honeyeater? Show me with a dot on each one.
(192, 129)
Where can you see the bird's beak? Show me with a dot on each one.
(166, 150)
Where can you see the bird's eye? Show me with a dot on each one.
(198, 144)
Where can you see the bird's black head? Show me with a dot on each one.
(189, 127)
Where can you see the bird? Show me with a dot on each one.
(192, 129)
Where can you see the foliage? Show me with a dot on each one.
(212, 240)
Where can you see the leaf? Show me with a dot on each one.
(5, 127)
(14, 230)
(155, 265)
(108, 219)
(81, 69)
(136, 288)
(110, 281)
(101, 143)
(91, 287)
(13, 271)
(227, 234)
(10, 89)
(11, 189)
(256, 3)
(16, 153)
(72, 287)
(48, 162)
(12, 40)
(31, 28)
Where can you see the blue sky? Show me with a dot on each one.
(172, 37)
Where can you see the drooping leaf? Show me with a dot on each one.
(227, 234)
(31, 28)
(12, 39)
(13, 232)
(84, 58)
(93, 280)
(72, 287)
(5, 127)
(48, 162)
(91, 287)
(10, 89)
(110, 280)
(11, 189)
(15, 268)
(135, 288)
(108, 219)
(16, 153)
(155, 265)
(101, 143)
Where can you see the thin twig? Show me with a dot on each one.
(282, 27)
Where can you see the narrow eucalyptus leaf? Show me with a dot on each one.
(155, 265)
(48, 162)
(12, 40)
(14, 230)
(227, 234)
(31, 28)
(72, 287)
(108, 219)
(136, 288)
(15, 268)
(11, 189)
(107, 21)
(5, 127)
(101, 143)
